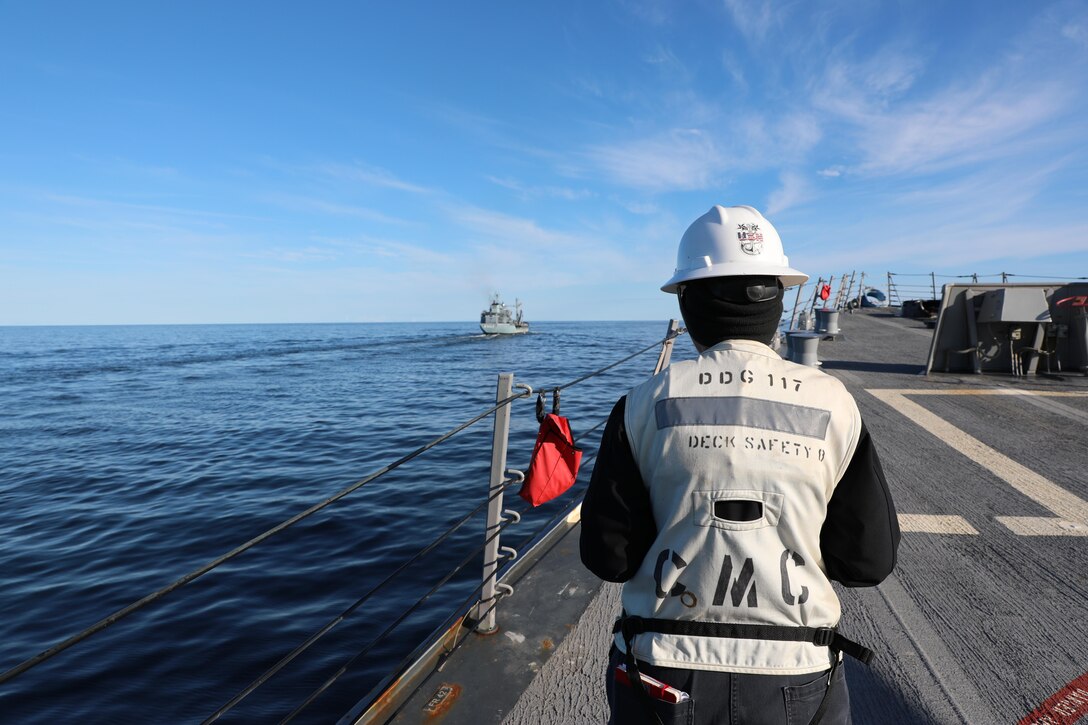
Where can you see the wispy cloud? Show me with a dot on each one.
(526, 191)
(956, 127)
(680, 159)
(501, 239)
(309, 204)
(295, 256)
(412, 254)
(978, 199)
(794, 189)
(897, 245)
(1077, 32)
(654, 12)
(498, 226)
(347, 174)
(132, 211)
(666, 62)
(1007, 108)
(117, 164)
(368, 175)
(756, 18)
(641, 208)
(735, 70)
(704, 158)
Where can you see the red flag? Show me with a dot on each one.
(554, 465)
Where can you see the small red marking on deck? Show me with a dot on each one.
(1064, 707)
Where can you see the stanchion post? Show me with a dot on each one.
(797, 301)
(666, 347)
(485, 610)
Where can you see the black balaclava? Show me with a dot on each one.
(731, 308)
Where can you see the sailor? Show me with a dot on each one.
(728, 493)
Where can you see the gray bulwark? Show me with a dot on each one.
(978, 624)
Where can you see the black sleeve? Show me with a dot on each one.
(617, 518)
(860, 536)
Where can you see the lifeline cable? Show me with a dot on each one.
(449, 620)
(588, 431)
(438, 668)
(291, 656)
(665, 339)
(121, 613)
(312, 639)
(396, 622)
(191, 576)
(563, 513)
(446, 625)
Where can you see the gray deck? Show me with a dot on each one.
(986, 615)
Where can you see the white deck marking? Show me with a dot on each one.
(1047, 403)
(935, 524)
(927, 331)
(1070, 510)
(1043, 526)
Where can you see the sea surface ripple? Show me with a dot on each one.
(134, 455)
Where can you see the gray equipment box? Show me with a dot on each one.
(1017, 329)
(1014, 304)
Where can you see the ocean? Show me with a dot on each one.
(133, 455)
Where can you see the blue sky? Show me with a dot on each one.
(367, 161)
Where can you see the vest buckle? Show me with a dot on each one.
(630, 626)
(823, 636)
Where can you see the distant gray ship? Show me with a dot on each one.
(498, 320)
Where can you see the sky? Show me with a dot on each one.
(261, 162)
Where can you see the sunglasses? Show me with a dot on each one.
(738, 289)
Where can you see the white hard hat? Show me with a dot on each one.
(732, 241)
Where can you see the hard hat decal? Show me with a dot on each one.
(751, 239)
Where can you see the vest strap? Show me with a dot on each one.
(629, 626)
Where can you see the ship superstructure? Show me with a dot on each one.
(498, 319)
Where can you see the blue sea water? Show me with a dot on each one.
(134, 455)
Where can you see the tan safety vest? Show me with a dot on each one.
(741, 452)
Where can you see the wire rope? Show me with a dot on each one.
(211, 565)
(670, 336)
(344, 668)
(460, 613)
(460, 642)
(395, 623)
(156, 595)
(312, 639)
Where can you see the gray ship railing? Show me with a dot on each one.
(849, 289)
(477, 613)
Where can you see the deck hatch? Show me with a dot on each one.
(749, 412)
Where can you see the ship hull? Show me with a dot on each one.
(503, 328)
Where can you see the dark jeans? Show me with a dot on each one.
(726, 698)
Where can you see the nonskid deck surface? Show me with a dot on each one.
(986, 616)
(985, 619)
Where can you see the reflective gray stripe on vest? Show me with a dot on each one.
(749, 412)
